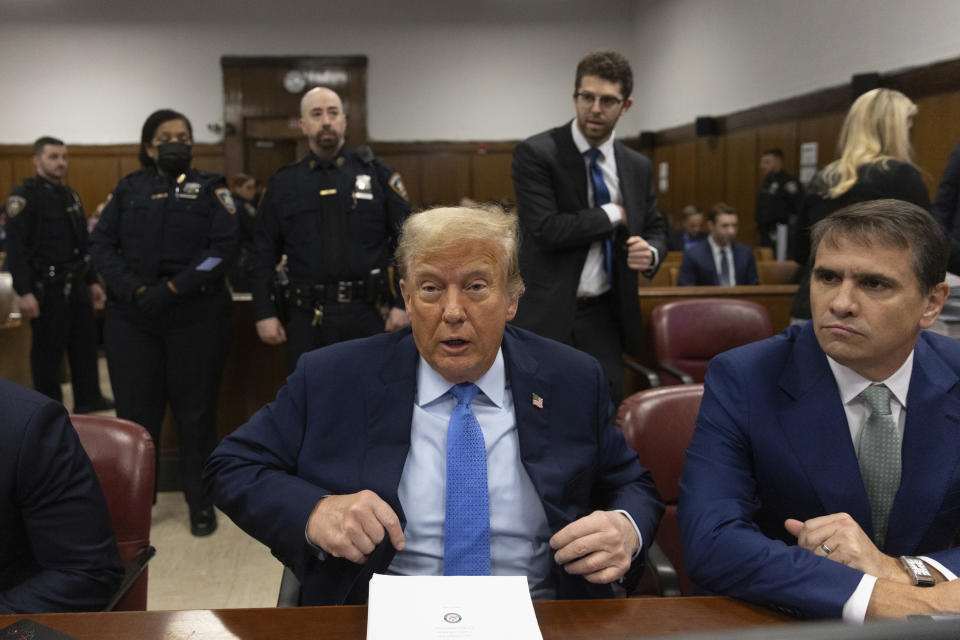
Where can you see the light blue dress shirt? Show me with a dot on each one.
(519, 532)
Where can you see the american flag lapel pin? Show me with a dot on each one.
(537, 401)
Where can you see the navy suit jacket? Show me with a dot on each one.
(698, 268)
(342, 424)
(57, 548)
(772, 442)
(558, 226)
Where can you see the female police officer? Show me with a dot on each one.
(163, 244)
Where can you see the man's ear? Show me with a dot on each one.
(934, 304)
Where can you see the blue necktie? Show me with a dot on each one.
(466, 536)
(724, 268)
(601, 196)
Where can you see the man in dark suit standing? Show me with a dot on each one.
(590, 222)
(460, 446)
(721, 260)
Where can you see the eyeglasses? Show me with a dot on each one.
(606, 102)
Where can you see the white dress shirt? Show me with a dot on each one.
(851, 384)
(718, 252)
(593, 278)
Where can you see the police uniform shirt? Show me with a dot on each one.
(777, 200)
(335, 220)
(152, 229)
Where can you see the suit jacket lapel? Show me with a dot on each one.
(388, 416)
(815, 426)
(929, 454)
(572, 163)
(628, 187)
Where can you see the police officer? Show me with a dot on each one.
(336, 214)
(47, 256)
(778, 201)
(244, 191)
(164, 241)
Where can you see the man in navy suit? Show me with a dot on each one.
(590, 222)
(690, 233)
(823, 477)
(351, 470)
(57, 548)
(721, 260)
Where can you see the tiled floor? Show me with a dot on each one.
(225, 570)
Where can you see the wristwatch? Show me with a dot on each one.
(917, 569)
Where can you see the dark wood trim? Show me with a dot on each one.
(228, 61)
(77, 150)
(434, 146)
(931, 79)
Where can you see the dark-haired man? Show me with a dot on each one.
(47, 256)
(336, 215)
(823, 477)
(721, 260)
(589, 220)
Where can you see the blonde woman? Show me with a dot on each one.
(876, 161)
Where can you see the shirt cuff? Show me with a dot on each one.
(855, 608)
(635, 528)
(613, 212)
(949, 575)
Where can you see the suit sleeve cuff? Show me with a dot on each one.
(637, 530)
(855, 608)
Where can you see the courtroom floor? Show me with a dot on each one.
(226, 570)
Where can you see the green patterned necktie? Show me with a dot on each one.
(879, 458)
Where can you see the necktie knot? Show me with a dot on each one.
(593, 154)
(877, 397)
(464, 392)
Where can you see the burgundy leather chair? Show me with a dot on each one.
(688, 333)
(123, 458)
(658, 424)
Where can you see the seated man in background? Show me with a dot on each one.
(721, 260)
(682, 239)
(827, 458)
(57, 548)
(374, 459)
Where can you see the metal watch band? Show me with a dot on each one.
(918, 570)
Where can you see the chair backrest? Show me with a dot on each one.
(777, 271)
(688, 333)
(658, 424)
(123, 458)
(763, 254)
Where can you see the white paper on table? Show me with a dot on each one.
(450, 608)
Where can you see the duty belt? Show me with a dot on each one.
(59, 271)
(304, 294)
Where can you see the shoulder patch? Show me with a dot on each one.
(396, 183)
(15, 205)
(223, 195)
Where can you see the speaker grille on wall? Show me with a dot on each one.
(647, 140)
(707, 126)
(860, 83)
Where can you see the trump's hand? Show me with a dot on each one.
(847, 544)
(350, 526)
(271, 331)
(639, 254)
(599, 546)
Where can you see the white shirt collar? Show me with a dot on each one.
(713, 245)
(606, 149)
(431, 385)
(852, 384)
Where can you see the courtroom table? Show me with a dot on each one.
(615, 619)
(777, 298)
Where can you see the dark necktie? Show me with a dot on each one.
(879, 458)
(601, 196)
(724, 268)
(466, 536)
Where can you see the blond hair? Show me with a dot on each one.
(874, 131)
(440, 230)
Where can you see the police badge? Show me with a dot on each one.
(363, 188)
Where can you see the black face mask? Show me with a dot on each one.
(174, 158)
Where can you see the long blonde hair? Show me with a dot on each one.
(875, 131)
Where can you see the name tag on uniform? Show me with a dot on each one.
(193, 188)
(159, 196)
(186, 196)
(363, 187)
(328, 192)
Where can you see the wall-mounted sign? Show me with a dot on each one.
(296, 80)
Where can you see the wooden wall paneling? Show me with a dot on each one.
(408, 166)
(233, 150)
(740, 180)
(445, 178)
(129, 164)
(825, 131)
(665, 202)
(683, 179)
(710, 184)
(6, 179)
(491, 177)
(23, 168)
(93, 178)
(936, 131)
(784, 136)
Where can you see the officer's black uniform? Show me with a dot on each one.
(338, 223)
(246, 222)
(163, 346)
(778, 202)
(47, 256)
